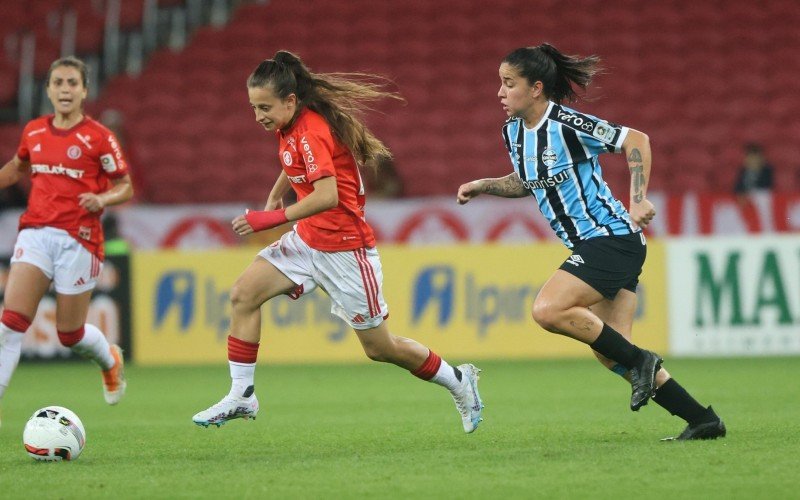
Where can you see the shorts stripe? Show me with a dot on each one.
(368, 278)
(375, 287)
(95, 267)
(364, 280)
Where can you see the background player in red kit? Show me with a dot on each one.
(322, 144)
(77, 169)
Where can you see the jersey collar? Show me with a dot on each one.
(544, 117)
(63, 131)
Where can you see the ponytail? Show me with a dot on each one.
(341, 98)
(556, 71)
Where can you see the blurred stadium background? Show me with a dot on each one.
(701, 78)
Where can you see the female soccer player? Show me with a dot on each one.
(322, 144)
(592, 296)
(77, 169)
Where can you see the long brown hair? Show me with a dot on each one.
(556, 71)
(341, 98)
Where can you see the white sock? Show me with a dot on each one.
(10, 348)
(242, 375)
(94, 346)
(446, 376)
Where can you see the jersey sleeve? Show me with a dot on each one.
(23, 153)
(317, 151)
(597, 135)
(112, 159)
(601, 136)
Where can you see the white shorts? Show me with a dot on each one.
(72, 268)
(352, 278)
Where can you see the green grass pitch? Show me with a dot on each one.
(552, 429)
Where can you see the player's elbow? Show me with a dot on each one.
(330, 200)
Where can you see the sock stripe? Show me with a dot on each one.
(240, 351)
(69, 339)
(429, 367)
(15, 321)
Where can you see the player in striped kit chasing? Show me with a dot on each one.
(332, 247)
(592, 297)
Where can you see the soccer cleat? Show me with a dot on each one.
(467, 399)
(114, 383)
(712, 428)
(229, 408)
(643, 379)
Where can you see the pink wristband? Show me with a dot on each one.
(260, 220)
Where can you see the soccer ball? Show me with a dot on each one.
(54, 433)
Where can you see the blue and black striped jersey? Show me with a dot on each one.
(557, 161)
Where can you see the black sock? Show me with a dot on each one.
(673, 397)
(458, 373)
(615, 347)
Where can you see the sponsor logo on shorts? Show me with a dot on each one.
(576, 260)
(85, 232)
(74, 152)
(19, 252)
(358, 319)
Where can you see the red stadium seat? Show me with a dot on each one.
(700, 80)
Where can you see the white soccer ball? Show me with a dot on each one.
(54, 433)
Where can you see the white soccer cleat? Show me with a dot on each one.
(229, 408)
(114, 383)
(468, 400)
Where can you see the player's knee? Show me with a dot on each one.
(242, 297)
(376, 353)
(545, 315)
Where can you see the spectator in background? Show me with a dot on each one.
(755, 172)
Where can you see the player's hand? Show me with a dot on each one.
(91, 202)
(241, 226)
(468, 191)
(642, 212)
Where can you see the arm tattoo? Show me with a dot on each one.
(509, 186)
(637, 174)
(635, 156)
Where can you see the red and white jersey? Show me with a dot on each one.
(308, 152)
(64, 164)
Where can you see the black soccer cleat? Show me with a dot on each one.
(643, 379)
(712, 428)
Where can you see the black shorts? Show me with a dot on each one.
(608, 263)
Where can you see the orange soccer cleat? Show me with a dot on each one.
(114, 378)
